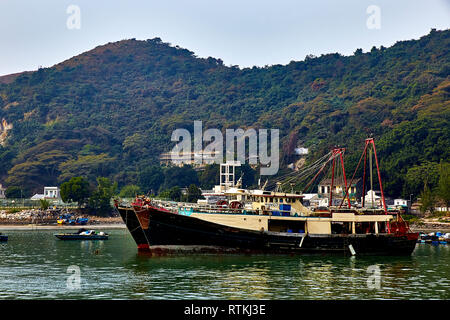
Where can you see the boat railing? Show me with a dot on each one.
(186, 207)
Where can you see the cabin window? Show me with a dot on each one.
(364, 227)
(382, 227)
(341, 227)
(287, 226)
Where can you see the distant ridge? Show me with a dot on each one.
(110, 111)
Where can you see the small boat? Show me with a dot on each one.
(83, 234)
(3, 238)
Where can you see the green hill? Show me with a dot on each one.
(111, 111)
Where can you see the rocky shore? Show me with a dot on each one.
(431, 227)
(49, 217)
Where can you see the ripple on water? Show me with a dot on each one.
(34, 266)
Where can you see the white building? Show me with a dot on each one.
(52, 192)
(301, 151)
(372, 200)
(401, 202)
(49, 193)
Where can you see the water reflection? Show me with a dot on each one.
(34, 264)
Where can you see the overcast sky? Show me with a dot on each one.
(240, 32)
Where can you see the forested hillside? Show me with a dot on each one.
(110, 112)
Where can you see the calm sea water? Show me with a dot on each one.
(34, 265)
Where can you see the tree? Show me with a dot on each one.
(427, 200)
(179, 177)
(210, 176)
(90, 166)
(100, 200)
(193, 193)
(418, 175)
(173, 194)
(13, 192)
(76, 190)
(45, 204)
(150, 179)
(129, 191)
(443, 188)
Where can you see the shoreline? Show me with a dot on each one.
(33, 227)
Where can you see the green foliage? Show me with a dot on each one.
(173, 193)
(150, 179)
(13, 192)
(417, 176)
(179, 177)
(193, 194)
(443, 188)
(209, 176)
(427, 200)
(45, 204)
(100, 200)
(90, 166)
(130, 191)
(111, 111)
(77, 189)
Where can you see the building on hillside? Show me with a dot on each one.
(354, 190)
(49, 193)
(301, 151)
(196, 159)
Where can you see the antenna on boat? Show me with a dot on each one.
(239, 182)
(265, 184)
(278, 188)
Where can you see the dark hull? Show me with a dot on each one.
(168, 232)
(133, 225)
(3, 238)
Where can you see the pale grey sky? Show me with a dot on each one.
(240, 32)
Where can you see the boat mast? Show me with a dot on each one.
(369, 143)
(338, 152)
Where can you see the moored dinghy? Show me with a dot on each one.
(83, 234)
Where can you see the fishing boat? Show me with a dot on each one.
(262, 221)
(3, 237)
(134, 227)
(83, 234)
